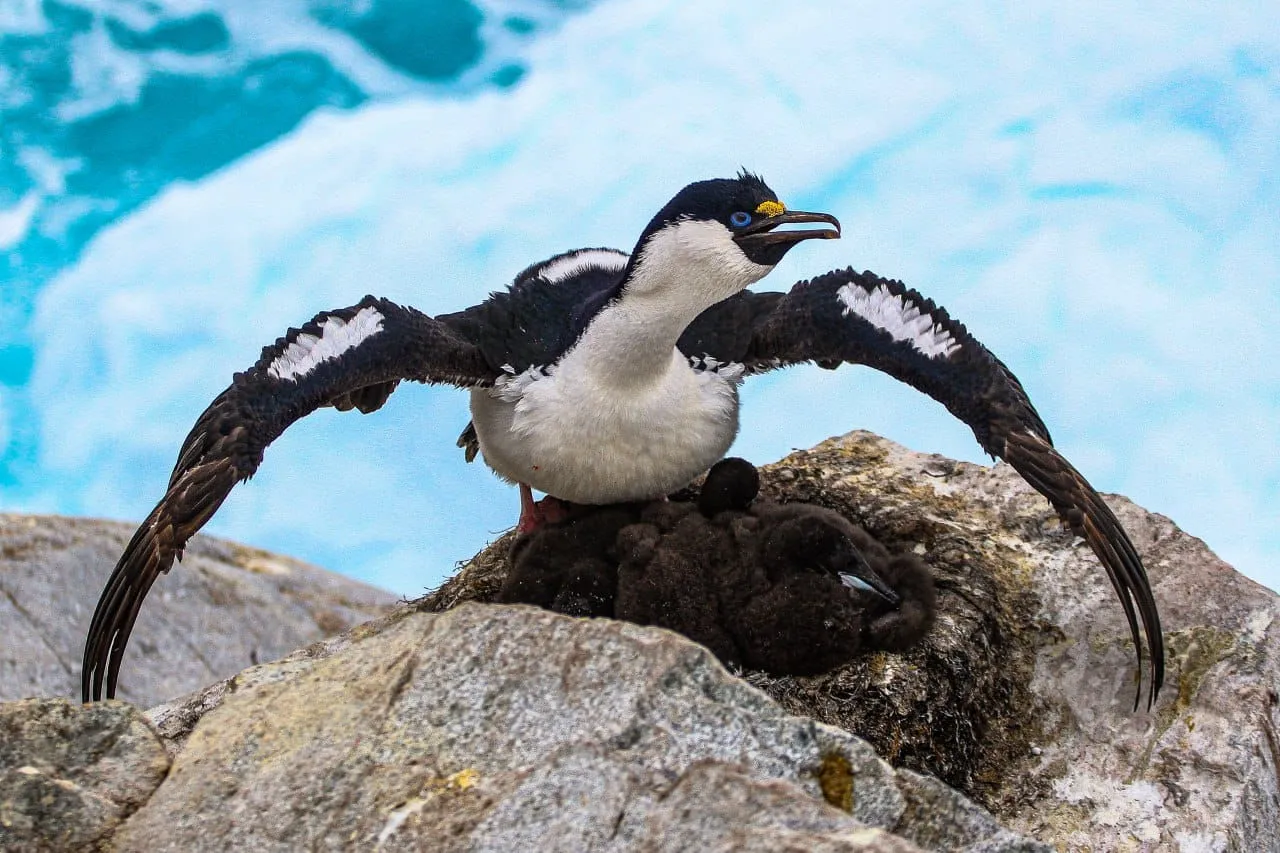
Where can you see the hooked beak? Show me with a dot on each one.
(863, 578)
(764, 245)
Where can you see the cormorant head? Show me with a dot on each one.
(721, 235)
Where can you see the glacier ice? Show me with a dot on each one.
(1029, 169)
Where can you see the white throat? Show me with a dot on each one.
(681, 271)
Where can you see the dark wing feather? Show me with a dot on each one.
(349, 358)
(545, 311)
(725, 331)
(860, 318)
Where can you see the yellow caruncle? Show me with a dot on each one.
(771, 208)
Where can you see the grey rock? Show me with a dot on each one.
(1022, 697)
(176, 719)
(226, 607)
(1080, 769)
(938, 817)
(487, 728)
(70, 773)
(500, 728)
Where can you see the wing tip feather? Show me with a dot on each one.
(1084, 511)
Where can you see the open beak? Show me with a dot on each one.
(762, 243)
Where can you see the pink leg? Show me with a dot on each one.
(534, 514)
(529, 520)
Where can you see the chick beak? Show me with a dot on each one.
(863, 578)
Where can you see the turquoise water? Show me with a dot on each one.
(101, 111)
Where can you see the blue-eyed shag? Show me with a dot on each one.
(600, 377)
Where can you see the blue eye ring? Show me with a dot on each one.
(740, 219)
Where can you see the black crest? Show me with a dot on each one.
(716, 199)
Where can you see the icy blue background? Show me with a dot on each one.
(1093, 191)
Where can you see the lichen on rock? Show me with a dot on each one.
(452, 725)
(1021, 697)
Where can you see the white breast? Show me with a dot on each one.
(624, 415)
(564, 431)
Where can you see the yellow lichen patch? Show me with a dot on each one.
(463, 779)
(835, 777)
(771, 208)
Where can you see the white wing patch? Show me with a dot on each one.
(899, 317)
(571, 264)
(336, 337)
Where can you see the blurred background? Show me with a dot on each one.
(1094, 191)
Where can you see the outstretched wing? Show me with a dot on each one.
(860, 318)
(350, 358)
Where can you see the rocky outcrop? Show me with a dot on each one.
(69, 774)
(511, 728)
(508, 728)
(226, 607)
(1022, 696)
(453, 725)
